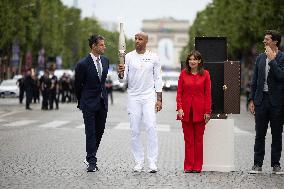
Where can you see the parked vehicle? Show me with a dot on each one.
(9, 88)
(16, 77)
(170, 80)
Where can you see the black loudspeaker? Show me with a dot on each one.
(212, 49)
(216, 70)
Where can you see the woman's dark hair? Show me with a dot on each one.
(197, 56)
(94, 39)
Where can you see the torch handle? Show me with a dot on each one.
(121, 56)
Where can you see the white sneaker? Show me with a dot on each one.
(153, 168)
(138, 168)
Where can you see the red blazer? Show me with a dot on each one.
(194, 93)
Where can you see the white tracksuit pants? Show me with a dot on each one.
(142, 110)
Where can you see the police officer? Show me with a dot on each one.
(28, 82)
(21, 85)
(45, 84)
(53, 90)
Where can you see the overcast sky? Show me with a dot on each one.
(132, 12)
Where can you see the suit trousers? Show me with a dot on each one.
(29, 96)
(94, 130)
(265, 113)
(193, 138)
(142, 110)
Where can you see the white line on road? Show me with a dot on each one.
(123, 126)
(54, 124)
(80, 126)
(126, 126)
(19, 123)
(10, 113)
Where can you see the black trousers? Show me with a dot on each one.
(264, 114)
(53, 98)
(45, 94)
(29, 96)
(94, 130)
(21, 95)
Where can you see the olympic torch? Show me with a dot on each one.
(121, 45)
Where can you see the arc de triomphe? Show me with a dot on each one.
(167, 37)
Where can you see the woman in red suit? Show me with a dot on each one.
(194, 108)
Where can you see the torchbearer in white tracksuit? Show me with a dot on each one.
(142, 73)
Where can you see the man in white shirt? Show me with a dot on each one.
(142, 73)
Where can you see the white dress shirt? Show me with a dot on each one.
(95, 59)
(267, 67)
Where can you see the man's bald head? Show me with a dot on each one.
(141, 40)
(142, 34)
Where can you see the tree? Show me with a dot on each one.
(243, 22)
(50, 25)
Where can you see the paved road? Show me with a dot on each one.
(46, 150)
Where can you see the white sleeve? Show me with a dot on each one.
(157, 75)
(125, 75)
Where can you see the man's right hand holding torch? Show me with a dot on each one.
(120, 70)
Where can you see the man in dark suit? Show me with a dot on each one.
(29, 84)
(90, 77)
(267, 101)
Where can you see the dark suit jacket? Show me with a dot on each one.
(88, 86)
(275, 80)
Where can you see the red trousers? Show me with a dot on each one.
(193, 138)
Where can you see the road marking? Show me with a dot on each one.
(10, 113)
(54, 124)
(80, 126)
(19, 123)
(241, 132)
(122, 126)
(126, 126)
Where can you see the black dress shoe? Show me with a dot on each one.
(92, 168)
(29, 109)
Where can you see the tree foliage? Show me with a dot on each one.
(48, 24)
(243, 22)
